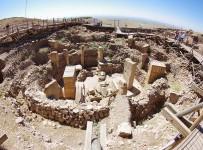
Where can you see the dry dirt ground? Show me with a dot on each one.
(130, 24)
(14, 21)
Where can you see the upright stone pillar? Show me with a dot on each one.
(66, 55)
(69, 82)
(100, 54)
(129, 72)
(54, 57)
(80, 92)
(156, 70)
(145, 48)
(131, 41)
(122, 87)
(144, 60)
(83, 56)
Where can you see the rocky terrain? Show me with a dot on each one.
(33, 118)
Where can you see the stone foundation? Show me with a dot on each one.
(64, 111)
(156, 70)
(110, 68)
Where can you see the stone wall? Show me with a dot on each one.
(64, 111)
(91, 58)
(150, 101)
(16, 57)
(26, 36)
(110, 68)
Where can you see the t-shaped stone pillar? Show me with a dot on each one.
(129, 72)
(100, 53)
(69, 82)
(83, 56)
(156, 70)
(66, 55)
(144, 60)
(54, 57)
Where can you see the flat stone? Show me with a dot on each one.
(174, 97)
(19, 120)
(124, 130)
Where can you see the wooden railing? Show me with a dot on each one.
(36, 24)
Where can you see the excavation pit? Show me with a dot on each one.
(75, 75)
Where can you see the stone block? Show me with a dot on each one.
(95, 98)
(145, 48)
(66, 56)
(53, 90)
(129, 72)
(100, 54)
(103, 91)
(174, 97)
(69, 82)
(125, 130)
(91, 91)
(168, 66)
(102, 76)
(156, 70)
(54, 57)
(144, 60)
(80, 92)
(122, 87)
(54, 44)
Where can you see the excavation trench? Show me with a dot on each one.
(99, 74)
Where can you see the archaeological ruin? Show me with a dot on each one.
(75, 74)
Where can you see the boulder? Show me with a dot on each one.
(125, 130)
(53, 90)
(174, 97)
(19, 120)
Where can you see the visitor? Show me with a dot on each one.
(176, 35)
(195, 40)
(183, 37)
(7, 29)
(178, 38)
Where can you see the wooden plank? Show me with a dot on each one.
(192, 141)
(200, 73)
(175, 111)
(181, 127)
(103, 137)
(3, 138)
(197, 89)
(88, 136)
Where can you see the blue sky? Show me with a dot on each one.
(184, 13)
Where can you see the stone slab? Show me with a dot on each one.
(88, 136)
(129, 72)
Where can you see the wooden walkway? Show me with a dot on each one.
(198, 56)
(194, 141)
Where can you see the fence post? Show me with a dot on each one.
(27, 25)
(17, 29)
(7, 31)
(32, 24)
(12, 30)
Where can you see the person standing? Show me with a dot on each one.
(183, 36)
(7, 29)
(179, 38)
